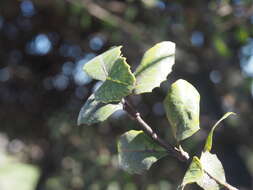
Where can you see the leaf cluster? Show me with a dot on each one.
(137, 151)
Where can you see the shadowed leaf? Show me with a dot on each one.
(193, 174)
(137, 152)
(182, 109)
(94, 111)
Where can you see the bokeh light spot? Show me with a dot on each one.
(79, 75)
(96, 43)
(215, 76)
(246, 58)
(4, 74)
(27, 8)
(197, 38)
(41, 45)
(61, 82)
(161, 5)
(67, 68)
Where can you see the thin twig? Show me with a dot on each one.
(102, 14)
(182, 156)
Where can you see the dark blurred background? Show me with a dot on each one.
(43, 47)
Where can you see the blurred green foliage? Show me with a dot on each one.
(15, 174)
(44, 45)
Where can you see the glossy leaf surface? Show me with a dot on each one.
(94, 111)
(182, 109)
(99, 67)
(137, 152)
(119, 83)
(155, 65)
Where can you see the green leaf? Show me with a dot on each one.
(194, 172)
(200, 171)
(155, 65)
(119, 83)
(211, 164)
(137, 152)
(182, 109)
(94, 111)
(99, 67)
(209, 140)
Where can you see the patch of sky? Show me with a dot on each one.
(40, 45)
(27, 8)
(161, 5)
(197, 38)
(246, 58)
(74, 51)
(4, 74)
(215, 76)
(80, 77)
(67, 68)
(96, 43)
(60, 82)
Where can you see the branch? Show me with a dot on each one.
(102, 14)
(178, 153)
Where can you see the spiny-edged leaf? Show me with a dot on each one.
(119, 83)
(94, 111)
(155, 65)
(194, 172)
(182, 109)
(137, 152)
(99, 67)
(211, 164)
(209, 140)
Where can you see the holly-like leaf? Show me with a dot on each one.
(94, 111)
(155, 65)
(99, 67)
(137, 152)
(209, 140)
(212, 165)
(193, 174)
(119, 83)
(182, 109)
